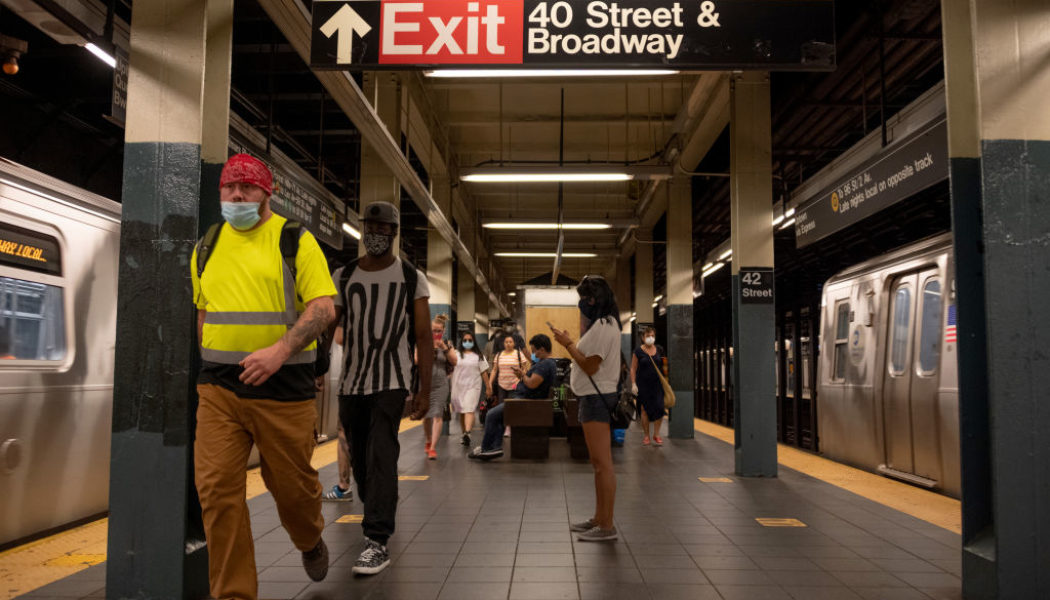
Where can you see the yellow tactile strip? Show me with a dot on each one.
(36, 564)
(931, 507)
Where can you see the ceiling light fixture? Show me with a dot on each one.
(658, 298)
(512, 294)
(102, 55)
(788, 223)
(726, 254)
(578, 226)
(596, 173)
(711, 270)
(790, 213)
(545, 254)
(493, 73)
(349, 229)
(778, 220)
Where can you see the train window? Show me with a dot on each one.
(899, 330)
(32, 321)
(841, 339)
(930, 328)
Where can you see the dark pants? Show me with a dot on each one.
(493, 439)
(371, 423)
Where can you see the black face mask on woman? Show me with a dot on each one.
(588, 310)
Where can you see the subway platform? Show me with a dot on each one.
(689, 528)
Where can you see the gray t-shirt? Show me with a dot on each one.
(375, 345)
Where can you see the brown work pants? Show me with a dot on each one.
(227, 425)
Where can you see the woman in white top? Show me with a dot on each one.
(466, 383)
(594, 375)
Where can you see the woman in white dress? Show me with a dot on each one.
(466, 383)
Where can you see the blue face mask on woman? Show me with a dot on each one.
(468, 344)
(241, 215)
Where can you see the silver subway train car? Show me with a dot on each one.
(888, 398)
(58, 312)
(59, 248)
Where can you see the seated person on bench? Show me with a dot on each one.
(535, 384)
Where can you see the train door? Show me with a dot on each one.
(910, 380)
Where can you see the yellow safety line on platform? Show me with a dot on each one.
(38, 563)
(931, 507)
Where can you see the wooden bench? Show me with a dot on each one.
(530, 424)
(577, 443)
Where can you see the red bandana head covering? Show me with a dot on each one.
(242, 168)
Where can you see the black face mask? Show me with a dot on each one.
(589, 310)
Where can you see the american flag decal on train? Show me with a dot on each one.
(949, 331)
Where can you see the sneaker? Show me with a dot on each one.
(659, 441)
(432, 454)
(582, 526)
(597, 534)
(315, 561)
(466, 440)
(645, 441)
(373, 559)
(479, 454)
(338, 494)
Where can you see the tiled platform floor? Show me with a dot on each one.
(500, 530)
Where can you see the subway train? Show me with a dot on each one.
(887, 377)
(59, 248)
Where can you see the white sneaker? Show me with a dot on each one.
(373, 559)
(597, 534)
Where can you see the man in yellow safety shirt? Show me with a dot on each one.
(258, 323)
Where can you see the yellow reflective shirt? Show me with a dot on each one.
(244, 273)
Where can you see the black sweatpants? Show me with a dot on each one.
(371, 423)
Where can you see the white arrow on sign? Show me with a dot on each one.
(346, 22)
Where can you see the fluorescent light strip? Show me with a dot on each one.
(349, 230)
(713, 268)
(725, 254)
(778, 220)
(790, 213)
(546, 254)
(102, 55)
(658, 298)
(545, 177)
(493, 73)
(788, 223)
(655, 304)
(581, 226)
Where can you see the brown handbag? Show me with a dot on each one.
(668, 392)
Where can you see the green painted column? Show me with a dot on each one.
(154, 551)
(680, 305)
(751, 201)
(997, 82)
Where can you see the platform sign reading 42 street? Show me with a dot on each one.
(593, 34)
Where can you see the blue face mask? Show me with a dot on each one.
(534, 359)
(241, 215)
(468, 344)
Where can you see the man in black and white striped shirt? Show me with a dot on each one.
(385, 307)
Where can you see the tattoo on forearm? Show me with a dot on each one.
(309, 327)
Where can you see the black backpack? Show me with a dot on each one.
(411, 280)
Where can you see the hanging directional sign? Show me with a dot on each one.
(628, 34)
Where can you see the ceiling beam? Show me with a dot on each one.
(293, 19)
